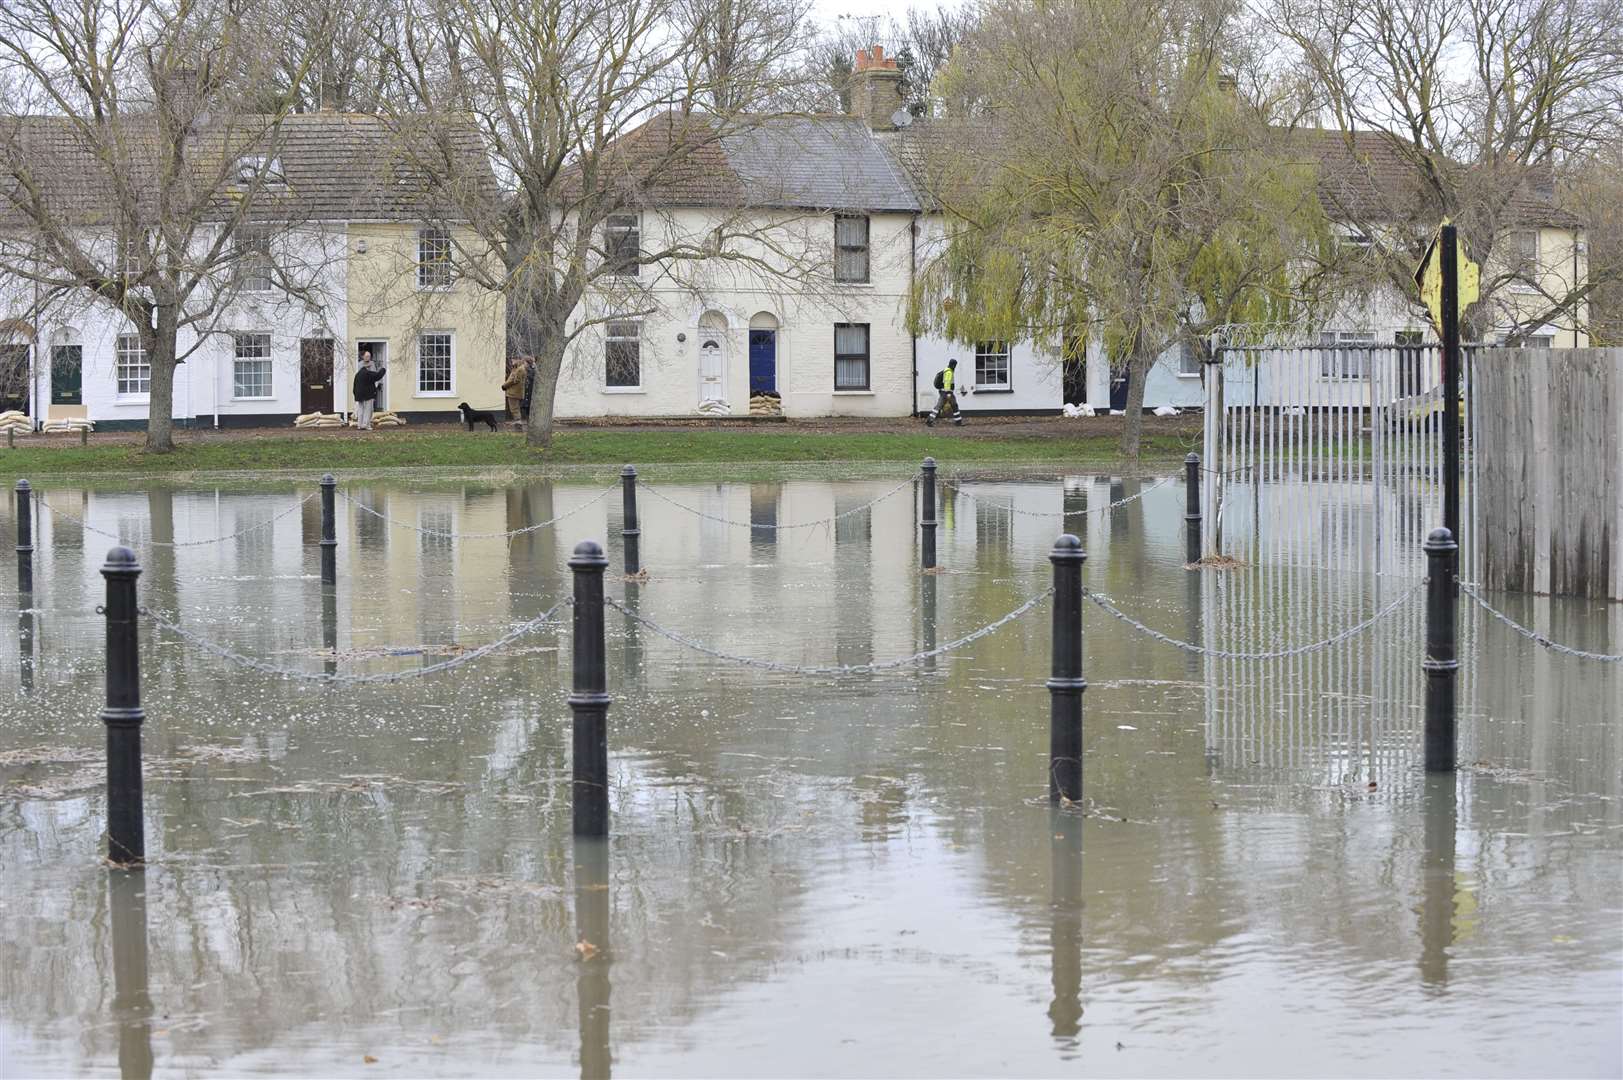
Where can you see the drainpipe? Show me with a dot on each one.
(912, 270)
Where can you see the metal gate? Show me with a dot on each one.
(1324, 471)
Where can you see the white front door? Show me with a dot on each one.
(712, 370)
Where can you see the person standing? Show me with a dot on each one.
(513, 387)
(529, 388)
(366, 390)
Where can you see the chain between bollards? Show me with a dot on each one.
(1066, 684)
(25, 537)
(927, 519)
(589, 699)
(1191, 508)
(122, 714)
(1441, 664)
(630, 533)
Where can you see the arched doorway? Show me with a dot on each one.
(763, 353)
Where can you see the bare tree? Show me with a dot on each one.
(749, 53)
(583, 112)
(1593, 191)
(129, 164)
(327, 54)
(1478, 100)
(922, 42)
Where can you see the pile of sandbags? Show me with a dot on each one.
(381, 419)
(714, 407)
(765, 405)
(69, 426)
(318, 420)
(1075, 411)
(13, 420)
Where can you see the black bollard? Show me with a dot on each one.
(927, 522)
(590, 700)
(126, 839)
(25, 537)
(329, 530)
(592, 983)
(1441, 667)
(1191, 507)
(1066, 684)
(630, 534)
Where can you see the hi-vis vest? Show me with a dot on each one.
(946, 379)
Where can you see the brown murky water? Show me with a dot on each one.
(827, 876)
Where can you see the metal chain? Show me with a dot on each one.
(335, 678)
(174, 543)
(778, 528)
(841, 669)
(953, 486)
(448, 534)
(1352, 631)
(1533, 635)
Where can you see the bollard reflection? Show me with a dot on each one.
(1065, 930)
(132, 1004)
(593, 956)
(1194, 663)
(25, 643)
(1439, 885)
(631, 655)
(927, 619)
(329, 616)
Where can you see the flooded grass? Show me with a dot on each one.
(806, 876)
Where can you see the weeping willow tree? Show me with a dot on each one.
(1105, 182)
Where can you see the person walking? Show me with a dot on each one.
(366, 390)
(946, 404)
(513, 387)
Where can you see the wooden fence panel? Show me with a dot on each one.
(1549, 446)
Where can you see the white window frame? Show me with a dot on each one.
(866, 247)
(1337, 364)
(417, 365)
(618, 231)
(993, 350)
(255, 339)
(610, 338)
(432, 265)
(1189, 360)
(249, 168)
(120, 352)
(867, 357)
(252, 246)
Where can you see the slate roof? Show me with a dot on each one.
(336, 166)
(811, 163)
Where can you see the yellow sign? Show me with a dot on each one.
(1429, 276)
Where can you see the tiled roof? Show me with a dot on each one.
(336, 166)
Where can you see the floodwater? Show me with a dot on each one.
(856, 875)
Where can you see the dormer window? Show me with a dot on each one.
(256, 169)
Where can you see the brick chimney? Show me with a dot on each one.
(876, 88)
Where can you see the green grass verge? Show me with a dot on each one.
(440, 450)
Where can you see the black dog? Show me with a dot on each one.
(471, 416)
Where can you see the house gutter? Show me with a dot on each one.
(912, 271)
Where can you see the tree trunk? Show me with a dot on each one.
(549, 360)
(160, 348)
(1132, 428)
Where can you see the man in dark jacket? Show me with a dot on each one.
(366, 390)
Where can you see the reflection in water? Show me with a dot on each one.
(872, 855)
(1065, 932)
(25, 643)
(132, 1004)
(593, 956)
(1439, 879)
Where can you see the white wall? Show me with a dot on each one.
(674, 301)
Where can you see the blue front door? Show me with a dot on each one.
(763, 361)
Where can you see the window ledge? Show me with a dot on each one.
(1188, 374)
(854, 284)
(977, 392)
(133, 399)
(436, 288)
(435, 394)
(267, 397)
(624, 390)
(853, 393)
